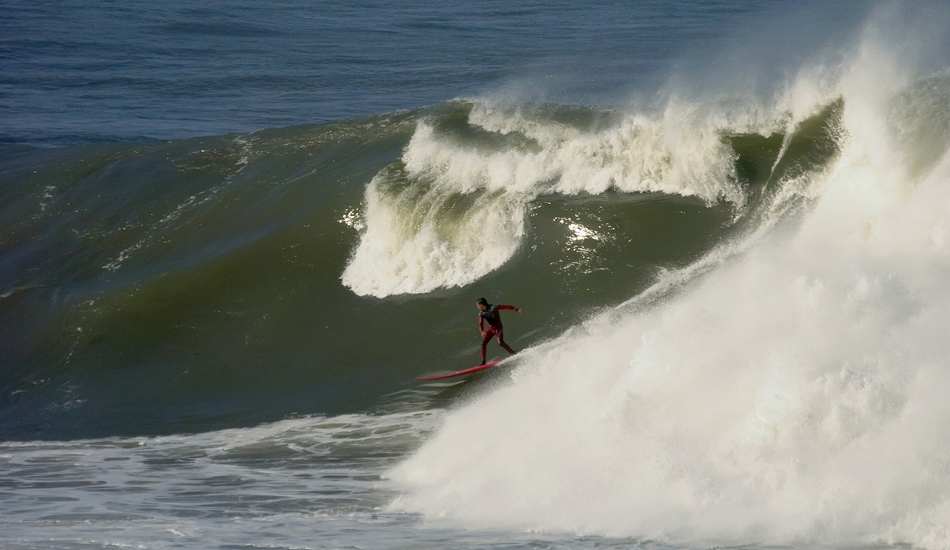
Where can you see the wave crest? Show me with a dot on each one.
(454, 207)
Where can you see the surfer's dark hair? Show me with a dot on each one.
(482, 301)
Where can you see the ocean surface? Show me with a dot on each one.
(233, 234)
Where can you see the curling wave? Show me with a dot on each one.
(455, 206)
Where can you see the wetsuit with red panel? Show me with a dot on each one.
(495, 328)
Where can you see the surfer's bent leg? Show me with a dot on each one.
(501, 341)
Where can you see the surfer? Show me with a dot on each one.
(490, 313)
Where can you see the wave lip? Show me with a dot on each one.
(454, 207)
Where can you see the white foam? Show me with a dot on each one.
(287, 483)
(410, 246)
(795, 393)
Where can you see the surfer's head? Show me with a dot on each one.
(482, 304)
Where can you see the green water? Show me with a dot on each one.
(192, 284)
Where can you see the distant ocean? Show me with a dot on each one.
(233, 234)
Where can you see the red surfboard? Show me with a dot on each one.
(461, 372)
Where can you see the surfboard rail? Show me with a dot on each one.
(460, 373)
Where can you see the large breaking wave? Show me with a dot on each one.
(793, 392)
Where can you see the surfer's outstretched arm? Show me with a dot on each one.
(517, 309)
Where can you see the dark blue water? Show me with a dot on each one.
(77, 71)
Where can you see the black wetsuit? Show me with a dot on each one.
(492, 317)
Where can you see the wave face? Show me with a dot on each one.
(790, 387)
(195, 284)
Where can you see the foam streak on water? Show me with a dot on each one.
(295, 484)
